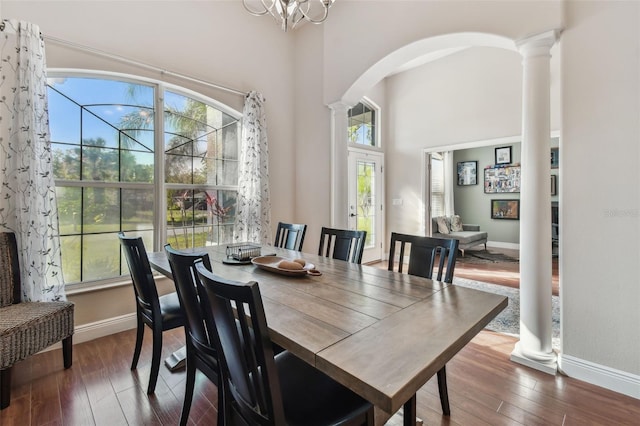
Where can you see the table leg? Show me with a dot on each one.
(410, 412)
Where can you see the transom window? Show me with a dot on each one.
(362, 125)
(142, 158)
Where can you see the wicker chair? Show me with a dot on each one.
(26, 327)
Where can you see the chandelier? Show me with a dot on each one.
(288, 13)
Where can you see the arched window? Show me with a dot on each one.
(362, 125)
(142, 157)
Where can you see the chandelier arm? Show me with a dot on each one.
(326, 5)
(258, 13)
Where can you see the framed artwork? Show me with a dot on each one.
(554, 185)
(501, 179)
(467, 173)
(503, 155)
(505, 209)
(555, 158)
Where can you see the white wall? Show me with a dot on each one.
(312, 138)
(600, 187)
(361, 33)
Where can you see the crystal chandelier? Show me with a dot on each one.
(288, 13)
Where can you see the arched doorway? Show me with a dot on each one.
(534, 348)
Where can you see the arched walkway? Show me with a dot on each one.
(534, 348)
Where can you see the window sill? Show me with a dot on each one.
(89, 287)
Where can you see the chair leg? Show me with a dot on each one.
(190, 385)
(155, 357)
(139, 337)
(5, 388)
(67, 351)
(444, 394)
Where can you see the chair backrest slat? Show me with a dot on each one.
(424, 251)
(290, 236)
(343, 244)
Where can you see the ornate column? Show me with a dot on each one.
(339, 165)
(534, 348)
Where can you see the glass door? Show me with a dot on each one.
(366, 198)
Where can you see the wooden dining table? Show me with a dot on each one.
(380, 333)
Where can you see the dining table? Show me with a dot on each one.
(380, 333)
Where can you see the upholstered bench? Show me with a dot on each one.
(26, 327)
(469, 236)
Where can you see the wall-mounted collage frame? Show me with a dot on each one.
(501, 179)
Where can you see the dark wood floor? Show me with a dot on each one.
(485, 388)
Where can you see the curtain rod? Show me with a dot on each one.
(143, 65)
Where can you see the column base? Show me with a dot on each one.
(547, 363)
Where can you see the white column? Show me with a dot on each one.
(534, 348)
(339, 166)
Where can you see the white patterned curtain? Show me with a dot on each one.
(253, 215)
(27, 191)
(449, 209)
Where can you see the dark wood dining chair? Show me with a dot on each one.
(263, 389)
(290, 236)
(201, 353)
(342, 244)
(159, 313)
(433, 258)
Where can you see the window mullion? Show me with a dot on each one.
(160, 205)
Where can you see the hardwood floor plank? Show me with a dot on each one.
(45, 399)
(103, 400)
(18, 413)
(137, 408)
(74, 401)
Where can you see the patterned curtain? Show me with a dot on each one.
(27, 191)
(253, 216)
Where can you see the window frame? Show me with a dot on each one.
(377, 127)
(159, 185)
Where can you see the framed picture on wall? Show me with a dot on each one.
(467, 173)
(505, 209)
(503, 155)
(555, 158)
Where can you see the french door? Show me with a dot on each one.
(366, 198)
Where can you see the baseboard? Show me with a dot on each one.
(599, 375)
(95, 330)
(499, 244)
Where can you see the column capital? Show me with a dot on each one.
(539, 44)
(339, 106)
